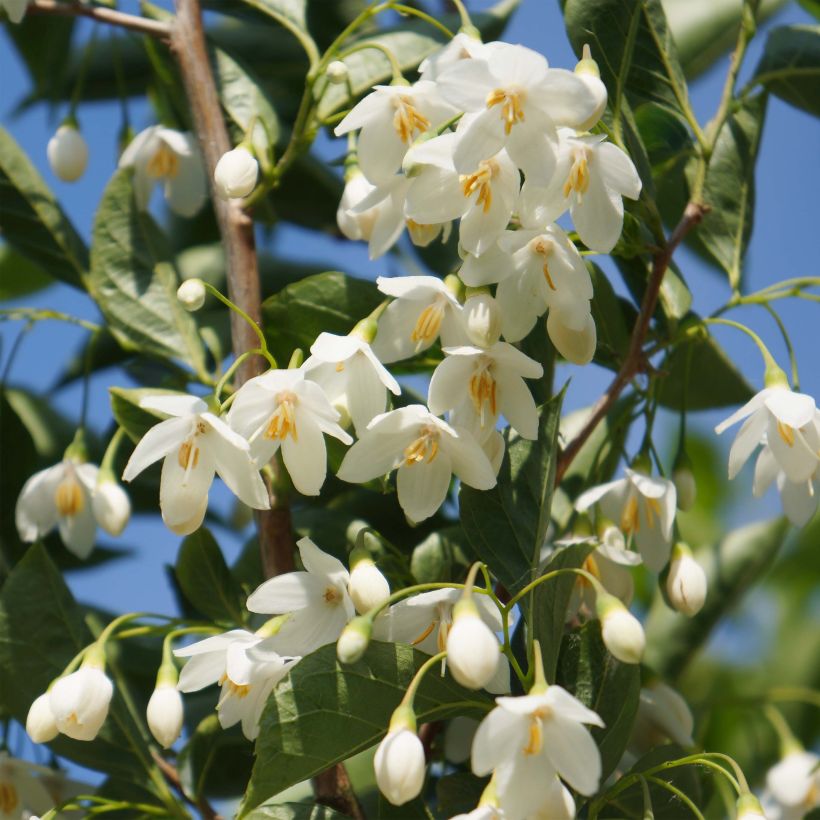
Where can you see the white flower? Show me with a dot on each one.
(400, 766)
(799, 498)
(791, 424)
(482, 319)
(622, 632)
(424, 309)
(162, 154)
(662, 714)
(353, 379)
(236, 173)
(472, 647)
(483, 196)
(528, 739)
(587, 70)
(558, 805)
(519, 101)
(165, 714)
(111, 505)
(15, 9)
(793, 786)
(191, 294)
(368, 587)
(22, 792)
(488, 383)
(642, 507)
(354, 640)
(281, 408)
(390, 119)
(60, 496)
(194, 444)
(463, 46)
(686, 584)
(318, 597)
(67, 153)
(591, 178)
(41, 725)
(426, 451)
(80, 701)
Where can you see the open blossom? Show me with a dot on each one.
(463, 46)
(792, 787)
(354, 380)
(423, 309)
(194, 444)
(425, 450)
(281, 408)
(391, 117)
(160, 154)
(799, 498)
(22, 792)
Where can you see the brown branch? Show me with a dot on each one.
(172, 776)
(332, 788)
(635, 361)
(132, 22)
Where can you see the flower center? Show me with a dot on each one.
(283, 422)
(332, 595)
(786, 432)
(164, 164)
(629, 517)
(422, 235)
(8, 798)
(483, 391)
(423, 449)
(407, 119)
(238, 690)
(535, 740)
(544, 247)
(188, 454)
(481, 182)
(578, 178)
(511, 103)
(428, 323)
(69, 496)
(591, 566)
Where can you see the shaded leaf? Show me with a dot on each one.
(790, 66)
(440, 557)
(135, 420)
(294, 811)
(614, 318)
(19, 276)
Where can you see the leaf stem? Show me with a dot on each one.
(100, 14)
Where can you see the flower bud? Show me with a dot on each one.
(686, 582)
(80, 701)
(576, 346)
(399, 765)
(354, 639)
(111, 505)
(40, 723)
(482, 319)
(67, 153)
(368, 588)
(684, 481)
(587, 70)
(191, 293)
(236, 173)
(472, 648)
(749, 808)
(622, 631)
(352, 223)
(165, 712)
(422, 235)
(337, 72)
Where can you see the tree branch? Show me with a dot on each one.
(132, 22)
(332, 788)
(635, 360)
(172, 776)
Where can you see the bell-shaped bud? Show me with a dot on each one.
(236, 173)
(455, 286)
(472, 648)
(165, 711)
(686, 583)
(368, 588)
(622, 631)
(80, 701)
(337, 72)
(41, 724)
(354, 639)
(587, 69)
(110, 503)
(67, 153)
(422, 235)
(684, 480)
(399, 762)
(352, 223)
(576, 346)
(482, 319)
(749, 808)
(191, 294)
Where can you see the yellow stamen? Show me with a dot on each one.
(239, 690)
(544, 247)
(591, 566)
(283, 422)
(481, 181)
(8, 799)
(653, 510)
(536, 737)
(425, 634)
(340, 367)
(786, 433)
(164, 164)
(483, 391)
(69, 497)
(629, 518)
(443, 632)
(578, 179)
(188, 455)
(407, 120)
(428, 323)
(332, 596)
(512, 110)
(423, 449)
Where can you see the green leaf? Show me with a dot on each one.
(129, 415)
(459, 793)
(33, 221)
(613, 317)
(294, 811)
(675, 298)
(206, 581)
(331, 302)
(19, 276)
(605, 685)
(323, 713)
(440, 557)
(134, 282)
(552, 599)
(506, 525)
(790, 66)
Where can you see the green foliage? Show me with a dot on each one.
(294, 811)
(135, 420)
(790, 66)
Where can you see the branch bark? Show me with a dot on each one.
(112, 17)
(172, 776)
(635, 360)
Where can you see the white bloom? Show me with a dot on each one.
(165, 714)
(426, 451)
(236, 173)
(368, 587)
(67, 153)
(191, 294)
(281, 408)
(390, 119)
(318, 597)
(40, 722)
(799, 498)
(591, 178)
(662, 715)
(686, 584)
(162, 154)
(462, 47)
(483, 813)
(354, 380)
(528, 739)
(60, 496)
(424, 309)
(472, 647)
(558, 805)
(21, 790)
(15, 9)
(793, 786)
(489, 383)
(519, 101)
(354, 640)
(622, 632)
(482, 319)
(400, 766)
(643, 507)
(80, 701)
(111, 506)
(791, 424)
(194, 444)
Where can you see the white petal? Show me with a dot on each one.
(618, 170)
(306, 459)
(565, 97)
(571, 749)
(238, 471)
(423, 487)
(595, 494)
(393, 341)
(186, 192)
(36, 510)
(799, 499)
(524, 783)
(577, 347)
(366, 394)
(140, 145)
(465, 84)
(482, 139)
(318, 562)
(157, 443)
(79, 531)
(766, 470)
(746, 440)
(286, 593)
(176, 405)
(517, 404)
(497, 739)
(599, 216)
(757, 401)
(375, 454)
(449, 383)
(469, 461)
(370, 108)
(794, 409)
(791, 451)
(181, 491)
(434, 196)
(570, 707)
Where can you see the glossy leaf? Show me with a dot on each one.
(294, 811)
(440, 557)
(613, 317)
(19, 276)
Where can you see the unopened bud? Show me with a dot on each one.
(354, 639)
(576, 346)
(472, 648)
(749, 808)
(482, 319)
(399, 764)
(111, 505)
(455, 286)
(191, 293)
(622, 632)
(368, 587)
(684, 481)
(354, 223)
(587, 70)
(337, 72)
(67, 153)
(422, 235)
(80, 701)
(40, 723)
(165, 712)
(236, 173)
(686, 583)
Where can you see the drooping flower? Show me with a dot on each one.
(798, 498)
(686, 583)
(662, 715)
(792, 787)
(194, 444)
(41, 725)
(400, 766)
(165, 714)
(67, 153)
(426, 451)
(80, 701)
(482, 319)
(22, 792)
(472, 647)
(621, 631)
(464, 46)
(160, 154)
(281, 408)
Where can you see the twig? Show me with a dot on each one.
(332, 788)
(172, 776)
(635, 360)
(132, 22)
